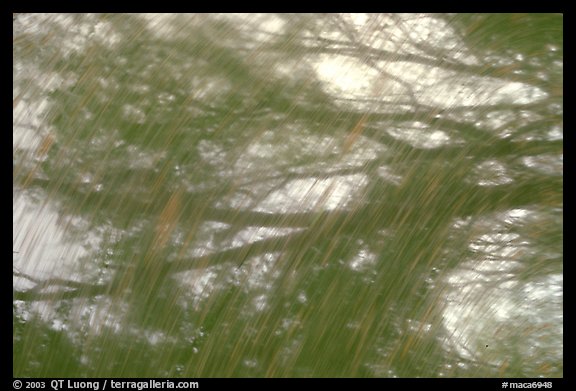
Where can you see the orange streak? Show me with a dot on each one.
(354, 134)
(168, 220)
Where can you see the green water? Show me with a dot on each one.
(288, 195)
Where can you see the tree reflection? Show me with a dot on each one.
(291, 195)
